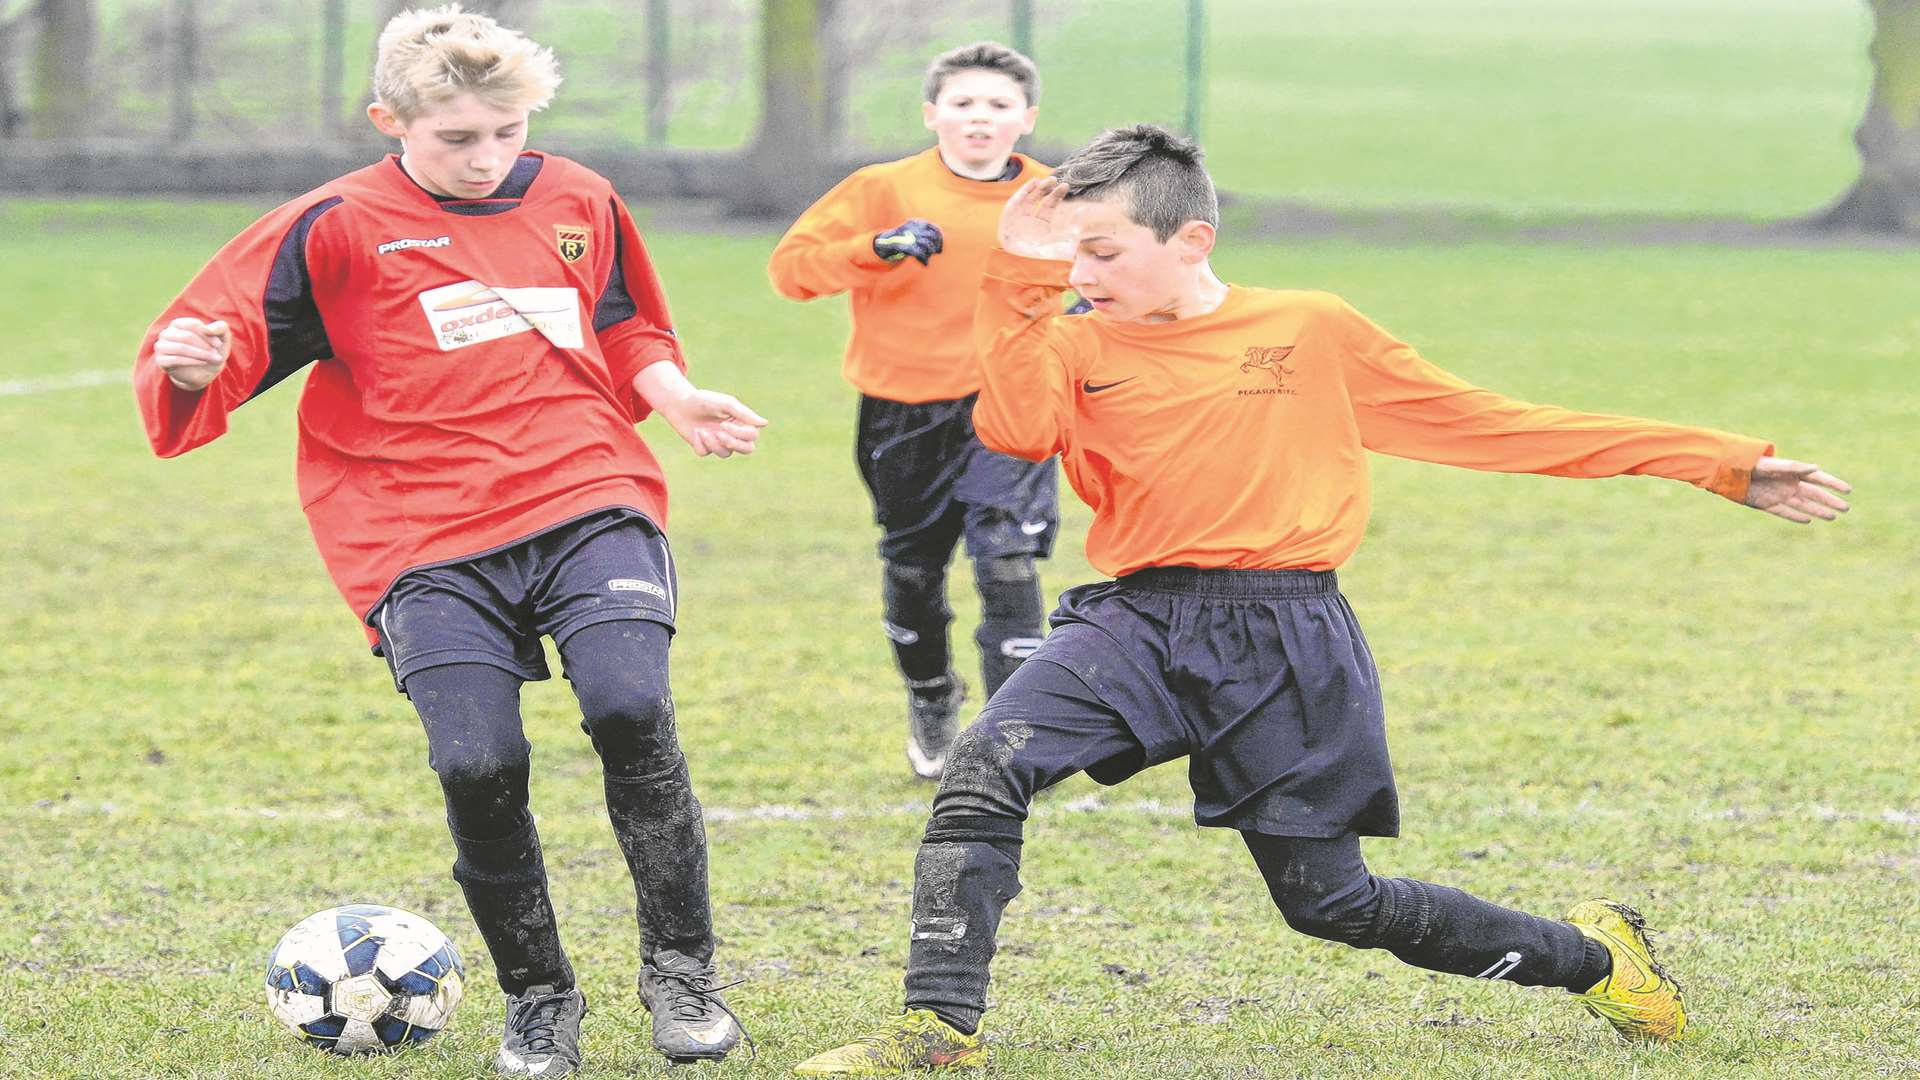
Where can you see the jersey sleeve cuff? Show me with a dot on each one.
(1734, 474)
(859, 251)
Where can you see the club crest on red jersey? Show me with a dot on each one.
(572, 241)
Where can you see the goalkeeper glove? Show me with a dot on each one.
(914, 237)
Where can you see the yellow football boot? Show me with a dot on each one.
(915, 1040)
(1640, 1000)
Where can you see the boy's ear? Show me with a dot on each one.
(1028, 119)
(385, 121)
(1194, 241)
(926, 115)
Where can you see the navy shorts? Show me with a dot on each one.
(1261, 678)
(933, 483)
(493, 608)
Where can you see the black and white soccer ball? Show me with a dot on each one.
(364, 977)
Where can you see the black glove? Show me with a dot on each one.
(914, 237)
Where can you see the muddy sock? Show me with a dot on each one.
(966, 873)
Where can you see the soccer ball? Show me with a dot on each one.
(364, 977)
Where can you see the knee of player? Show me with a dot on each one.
(625, 712)
(915, 589)
(480, 766)
(977, 751)
(1004, 570)
(1344, 911)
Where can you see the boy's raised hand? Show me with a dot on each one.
(191, 352)
(1796, 490)
(1032, 224)
(914, 238)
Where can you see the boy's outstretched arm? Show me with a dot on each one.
(831, 247)
(1025, 406)
(1407, 407)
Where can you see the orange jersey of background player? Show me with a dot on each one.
(910, 340)
(1237, 438)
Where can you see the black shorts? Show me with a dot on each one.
(932, 483)
(493, 608)
(1260, 677)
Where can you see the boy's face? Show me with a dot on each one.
(1122, 270)
(978, 116)
(462, 147)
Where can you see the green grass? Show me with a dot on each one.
(1624, 687)
(1740, 108)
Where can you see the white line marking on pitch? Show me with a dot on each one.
(76, 380)
(1084, 804)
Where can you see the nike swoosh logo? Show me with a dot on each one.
(1033, 528)
(1645, 980)
(1092, 387)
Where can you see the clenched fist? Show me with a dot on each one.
(192, 352)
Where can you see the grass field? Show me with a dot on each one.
(1624, 687)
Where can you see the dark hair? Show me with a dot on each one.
(984, 56)
(1158, 171)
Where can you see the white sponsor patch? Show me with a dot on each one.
(468, 313)
(627, 584)
(392, 246)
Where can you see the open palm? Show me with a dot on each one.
(1796, 490)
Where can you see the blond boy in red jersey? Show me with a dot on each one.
(1223, 637)
(907, 241)
(484, 329)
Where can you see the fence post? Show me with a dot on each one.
(1023, 26)
(659, 71)
(186, 62)
(835, 72)
(333, 66)
(1196, 63)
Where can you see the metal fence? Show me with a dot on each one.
(660, 73)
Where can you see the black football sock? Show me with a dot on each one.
(619, 674)
(505, 882)
(967, 871)
(661, 832)
(915, 600)
(471, 713)
(1010, 616)
(1323, 889)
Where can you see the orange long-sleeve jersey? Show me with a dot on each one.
(1236, 439)
(910, 339)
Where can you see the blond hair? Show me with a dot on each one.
(428, 55)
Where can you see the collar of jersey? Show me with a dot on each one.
(508, 196)
(1016, 167)
(1228, 305)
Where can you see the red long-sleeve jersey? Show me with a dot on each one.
(1237, 439)
(472, 361)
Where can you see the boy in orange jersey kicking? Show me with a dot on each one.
(1223, 637)
(908, 241)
